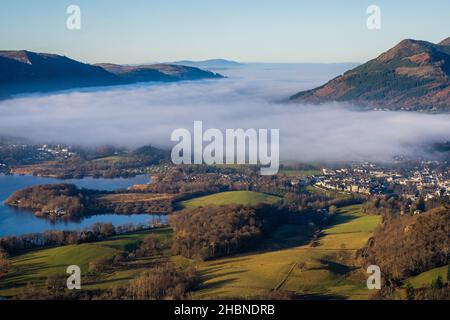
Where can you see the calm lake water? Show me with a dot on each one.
(15, 222)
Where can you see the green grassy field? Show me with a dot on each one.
(231, 197)
(325, 271)
(111, 159)
(424, 279)
(285, 262)
(35, 266)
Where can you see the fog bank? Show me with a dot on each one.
(250, 98)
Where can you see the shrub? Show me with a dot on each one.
(4, 263)
(99, 265)
(163, 282)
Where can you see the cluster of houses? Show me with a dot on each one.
(35, 153)
(56, 151)
(351, 180)
(56, 212)
(426, 179)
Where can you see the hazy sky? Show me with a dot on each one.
(124, 31)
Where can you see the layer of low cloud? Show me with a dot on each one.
(251, 98)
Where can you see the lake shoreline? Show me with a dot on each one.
(14, 222)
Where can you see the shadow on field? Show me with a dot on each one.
(336, 267)
(106, 281)
(341, 218)
(313, 296)
(219, 283)
(17, 277)
(214, 272)
(223, 263)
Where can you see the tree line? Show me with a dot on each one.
(98, 231)
(214, 231)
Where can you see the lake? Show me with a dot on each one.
(15, 222)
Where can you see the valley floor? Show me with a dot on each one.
(285, 262)
(327, 270)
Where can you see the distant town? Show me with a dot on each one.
(427, 179)
(410, 179)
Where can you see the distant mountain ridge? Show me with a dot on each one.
(24, 71)
(158, 72)
(210, 64)
(28, 72)
(414, 75)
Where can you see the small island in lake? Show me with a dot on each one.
(67, 201)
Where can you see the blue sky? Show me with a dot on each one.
(137, 31)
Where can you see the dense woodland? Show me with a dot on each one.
(53, 199)
(211, 232)
(67, 201)
(407, 245)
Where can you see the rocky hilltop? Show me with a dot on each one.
(414, 75)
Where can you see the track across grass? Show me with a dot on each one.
(326, 271)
